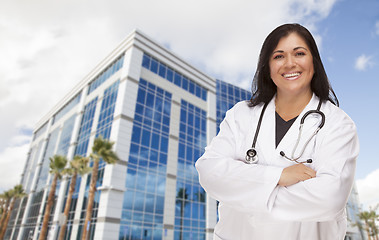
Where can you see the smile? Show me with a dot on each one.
(292, 75)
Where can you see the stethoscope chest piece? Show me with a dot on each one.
(251, 156)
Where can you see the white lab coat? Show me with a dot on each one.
(252, 204)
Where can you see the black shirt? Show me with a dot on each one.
(281, 127)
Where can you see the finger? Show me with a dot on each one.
(311, 173)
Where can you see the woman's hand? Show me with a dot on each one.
(295, 174)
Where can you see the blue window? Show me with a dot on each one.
(154, 66)
(185, 84)
(49, 152)
(70, 105)
(85, 128)
(227, 96)
(40, 131)
(142, 213)
(171, 75)
(146, 61)
(178, 79)
(108, 72)
(66, 134)
(190, 197)
(162, 70)
(108, 104)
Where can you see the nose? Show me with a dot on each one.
(290, 62)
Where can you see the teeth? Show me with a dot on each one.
(291, 75)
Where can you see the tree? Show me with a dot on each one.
(57, 165)
(372, 223)
(365, 217)
(6, 196)
(102, 149)
(370, 217)
(16, 192)
(181, 198)
(79, 165)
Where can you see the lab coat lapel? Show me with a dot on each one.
(310, 124)
(266, 137)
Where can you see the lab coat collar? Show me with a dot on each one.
(266, 138)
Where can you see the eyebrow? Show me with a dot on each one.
(295, 49)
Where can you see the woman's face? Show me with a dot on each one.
(291, 66)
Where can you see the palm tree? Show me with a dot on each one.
(370, 217)
(181, 198)
(372, 223)
(16, 192)
(365, 216)
(57, 165)
(79, 165)
(6, 196)
(101, 149)
(374, 229)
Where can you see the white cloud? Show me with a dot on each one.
(12, 165)
(45, 51)
(368, 189)
(363, 62)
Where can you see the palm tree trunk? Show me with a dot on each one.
(368, 230)
(3, 217)
(49, 205)
(6, 220)
(91, 197)
(68, 205)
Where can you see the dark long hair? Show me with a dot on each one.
(263, 87)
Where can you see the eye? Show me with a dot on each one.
(278, 56)
(300, 54)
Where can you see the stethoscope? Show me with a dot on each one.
(251, 154)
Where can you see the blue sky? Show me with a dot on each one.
(349, 32)
(46, 48)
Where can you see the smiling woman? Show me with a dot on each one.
(295, 109)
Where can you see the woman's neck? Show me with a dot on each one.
(291, 106)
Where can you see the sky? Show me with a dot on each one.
(46, 47)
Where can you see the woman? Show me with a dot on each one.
(280, 196)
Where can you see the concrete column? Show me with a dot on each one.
(172, 165)
(211, 208)
(113, 187)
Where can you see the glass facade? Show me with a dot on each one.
(81, 149)
(106, 73)
(49, 152)
(227, 95)
(64, 141)
(142, 210)
(32, 217)
(190, 196)
(104, 126)
(40, 131)
(173, 76)
(70, 105)
(85, 128)
(31, 167)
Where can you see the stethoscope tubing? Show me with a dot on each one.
(251, 154)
